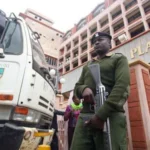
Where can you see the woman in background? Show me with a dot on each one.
(71, 114)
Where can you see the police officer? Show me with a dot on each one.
(114, 68)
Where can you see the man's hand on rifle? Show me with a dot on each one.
(88, 96)
(95, 122)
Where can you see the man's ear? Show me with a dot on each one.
(110, 45)
(109, 41)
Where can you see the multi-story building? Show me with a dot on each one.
(125, 20)
(50, 38)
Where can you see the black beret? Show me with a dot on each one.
(98, 34)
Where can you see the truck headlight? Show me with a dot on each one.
(26, 114)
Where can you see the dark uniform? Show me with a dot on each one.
(115, 77)
(54, 144)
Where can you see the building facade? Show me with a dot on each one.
(50, 38)
(125, 20)
(128, 22)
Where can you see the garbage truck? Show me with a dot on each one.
(27, 91)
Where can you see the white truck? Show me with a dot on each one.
(27, 92)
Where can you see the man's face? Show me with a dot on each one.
(102, 45)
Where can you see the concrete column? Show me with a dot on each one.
(125, 20)
(138, 106)
(79, 50)
(88, 43)
(143, 15)
(111, 29)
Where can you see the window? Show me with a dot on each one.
(134, 17)
(84, 36)
(117, 42)
(76, 42)
(98, 10)
(137, 31)
(104, 23)
(67, 68)
(118, 27)
(39, 61)
(51, 61)
(116, 14)
(81, 24)
(75, 54)
(129, 5)
(94, 30)
(67, 35)
(84, 48)
(13, 40)
(147, 9)
(84, 60)
(75, 64)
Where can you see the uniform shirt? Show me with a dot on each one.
(74, 116)
(114, 71)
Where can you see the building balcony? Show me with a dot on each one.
(116, 15)
(67, 52)
(83, 54)
(92, 49)
(119, 30)
(83, 35)
(135, 23)
(105, 28)
(117, 34)
(117, 19)
(61, 57)
(83, 42)
(67, 62)
(148, 16)
(60, 66)
(133, 9)
(147, 9)
(130, 4)
(144, 1)
(133, 17)
(75, 58)
(104, 23)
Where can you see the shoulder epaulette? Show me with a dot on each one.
(120, 54)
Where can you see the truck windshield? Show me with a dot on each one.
(39, 63)
(12, 39)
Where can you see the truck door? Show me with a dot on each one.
(13, 61)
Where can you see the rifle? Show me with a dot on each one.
(100, 98)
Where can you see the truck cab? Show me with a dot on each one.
(27, 92)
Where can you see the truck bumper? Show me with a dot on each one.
(11, 137)
(21, 138)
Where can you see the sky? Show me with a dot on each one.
(64, 13)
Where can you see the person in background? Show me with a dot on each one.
(54, 144)
(71, 114)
